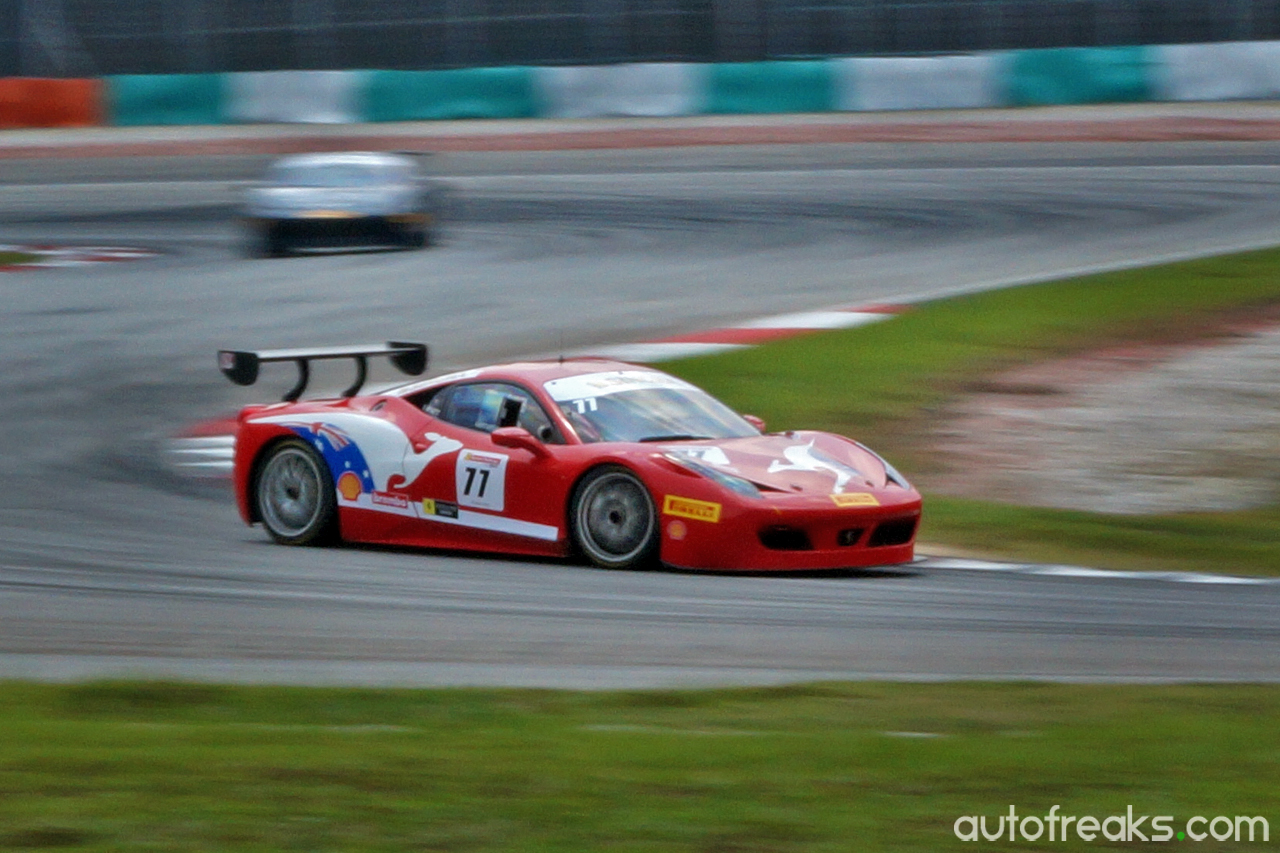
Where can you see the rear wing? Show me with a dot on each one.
(242, 367)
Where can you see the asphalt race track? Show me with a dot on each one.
(112, 564)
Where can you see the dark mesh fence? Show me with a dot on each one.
(94, 37)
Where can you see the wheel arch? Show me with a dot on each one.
(260, 456)
(255, 468)
(323, 526)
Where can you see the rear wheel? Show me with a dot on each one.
(613, 520)
(415, 238)
(294, 495)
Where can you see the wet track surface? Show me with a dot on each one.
(111, 563)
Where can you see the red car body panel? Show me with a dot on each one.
(404, 477)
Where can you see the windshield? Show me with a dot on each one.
(643, 406)
(336, 175)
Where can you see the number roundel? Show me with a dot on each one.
(481, 479)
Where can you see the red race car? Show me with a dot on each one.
(625, 465)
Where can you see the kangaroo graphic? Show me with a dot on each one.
(384, 449)
(804, 457)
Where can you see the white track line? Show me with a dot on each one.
(207, 456)
(815, 320)
(648, 352)
(965, 565)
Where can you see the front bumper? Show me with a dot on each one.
(788, 534)
(336, 231)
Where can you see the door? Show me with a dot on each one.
(478, 494)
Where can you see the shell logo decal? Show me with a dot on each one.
(349, 486)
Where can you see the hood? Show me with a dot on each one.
(799, 462)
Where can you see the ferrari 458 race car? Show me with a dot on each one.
(358, 198)
(624, 465)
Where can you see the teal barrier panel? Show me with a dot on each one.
(140, 99)
(464, 93)
(1081, 75)
(770, 87)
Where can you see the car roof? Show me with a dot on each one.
(344, 158)
(534, 373)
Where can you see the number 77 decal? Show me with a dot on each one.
(481, 480)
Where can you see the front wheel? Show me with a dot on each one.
(294, 496)
(416, 238)
(613, 520)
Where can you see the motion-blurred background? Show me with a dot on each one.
(82, 38)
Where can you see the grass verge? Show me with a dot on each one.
(884, 383)
(10, 258)
(831, 767)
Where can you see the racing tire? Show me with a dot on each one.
(294, 496)
(416, 238)
(613, 519)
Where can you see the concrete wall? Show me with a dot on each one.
(1222, 71)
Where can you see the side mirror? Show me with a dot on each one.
(756, 422)
(520, 438)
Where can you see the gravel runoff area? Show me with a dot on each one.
(1152, 428)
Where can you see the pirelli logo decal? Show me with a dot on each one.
(689, 508)
(855, 499)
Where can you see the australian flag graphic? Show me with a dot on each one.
(338, 450)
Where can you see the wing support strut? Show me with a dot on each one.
(241, 366)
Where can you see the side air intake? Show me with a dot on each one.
(896, 532)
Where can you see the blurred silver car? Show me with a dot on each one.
(343, 199)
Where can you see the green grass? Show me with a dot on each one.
(885, 383)
(7, 258)
(1229, 542)
(123, 766)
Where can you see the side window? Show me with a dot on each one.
(474, 407)
(534, 418)
(479, 406)
(432, 401)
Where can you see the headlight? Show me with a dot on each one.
(890, 472)
(732, 482)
